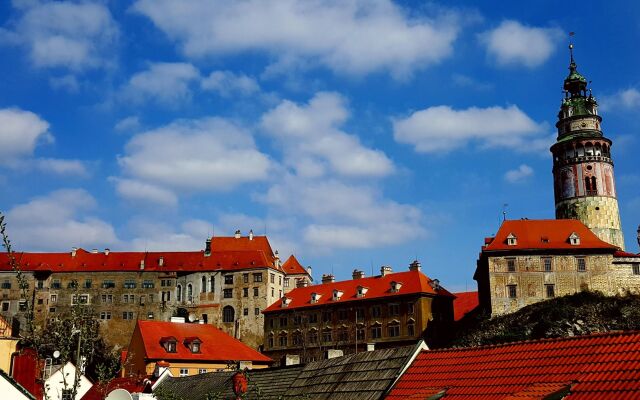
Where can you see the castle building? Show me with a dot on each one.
(227, 284)
(388, 310)
(583, 248)
(584, 184)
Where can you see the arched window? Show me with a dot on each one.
(189, 292)
(228, 314)
(179, 292)
(203, 286)
(313, 336)
(587, 184)
(212, 282)
(594, 187)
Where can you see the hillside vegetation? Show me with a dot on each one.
(578, 314)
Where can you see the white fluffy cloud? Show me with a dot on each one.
(519, 174)
(144, 192)
(442, 128)
(128, 124)
(227, 83)
(208, 154)
(20, 132)
(62, 167)
(57, 221)
(158, 236)
(75, 35)
(512, 43)
(167, 83)
(314, 144)
(627, 99)
(348, 36)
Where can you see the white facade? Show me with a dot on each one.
(62, 380)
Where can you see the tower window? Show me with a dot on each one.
(512, 291)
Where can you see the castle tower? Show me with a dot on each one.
(584, 185)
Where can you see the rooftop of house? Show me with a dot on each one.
(293, 267)
(366, 375)
(581, 367)
(381, 286)
(545, 234)
(214, 345)
(464, 303)
(132, 384)
(225, 254)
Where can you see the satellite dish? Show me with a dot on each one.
(56, 354)
(119, 394)
(192, 317)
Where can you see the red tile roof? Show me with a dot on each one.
(464, 303)
(545, 234)
(413, 282)
(595, 366)
(292, 266)
(216, 345)
(130, 384)
(624, 254)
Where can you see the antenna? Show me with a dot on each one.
(504, 211)
(571, 34)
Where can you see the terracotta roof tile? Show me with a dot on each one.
(216, 345)
(377, 286)
(464, 303)
(545, 234)
(292, 266)
(596, 366)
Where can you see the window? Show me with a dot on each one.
(184, 371)
(296, 338)
(245, 292)
(635, 268)
(376, 332)
(313, 318)
(512, 240)
(55, 284)
(143, 299)
(411, 329)
(166, 283)
(5, 306)
(511, 291)
(574, 239)
(228, 314)
(257, 277)
(194, 346)
(189, 292)
(511, 264)
(150, 315)
(105, 315)
(53, 298)
(286, 282)
(283, 321)
(147, 284)
(326, 316)
(179, 292)
(128, 315)
(280, 280)
(87, 284)
(297, 319)
(22, 305)
(72, 285)
(327, 335)
(582, 264)
(212, 284)
(272, 278)
(245, 311)
(360, 332)
(394, 329)
(343, 334)
(550, 291)
(108, 284)
(342, 314)
(40, 301)
(255, 292)
(202, 370)
(129, 298)
(129, 284)
(80, 299)
(410, 308)
(256, 311)
(394, 309)
(228, 279)
(312, 336)
(67, 394)
(375, 311)
(282, 340)
(245, 278)
(273, 293)
(547, 264)
(169, 344)
(227, 293)
(271, 340)
(52, 309)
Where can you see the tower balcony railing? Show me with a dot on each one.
(578, 159)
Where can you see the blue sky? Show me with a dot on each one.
(355, 133)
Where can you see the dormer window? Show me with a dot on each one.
(337, 294)
(395, 286)
(193, 343)
(512, 240)
(285, 302)
(169, 344)
(361, 291)
(315, 297)
(574, 239)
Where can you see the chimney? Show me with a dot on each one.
(435, 284)
(357, 274)
(207, 247)
(142, 264)
(161, 261)
(251, 234)
(415, 266)
(385, 270)
(94, 251)
(106, 252)
(328, 278)
(73, 251)
(277, 259)
(309, 270)
(237, 235)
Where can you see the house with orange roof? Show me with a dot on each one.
(227, 284)
(383, 311)
(598, 366)
(186, 349)
(532, 260)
